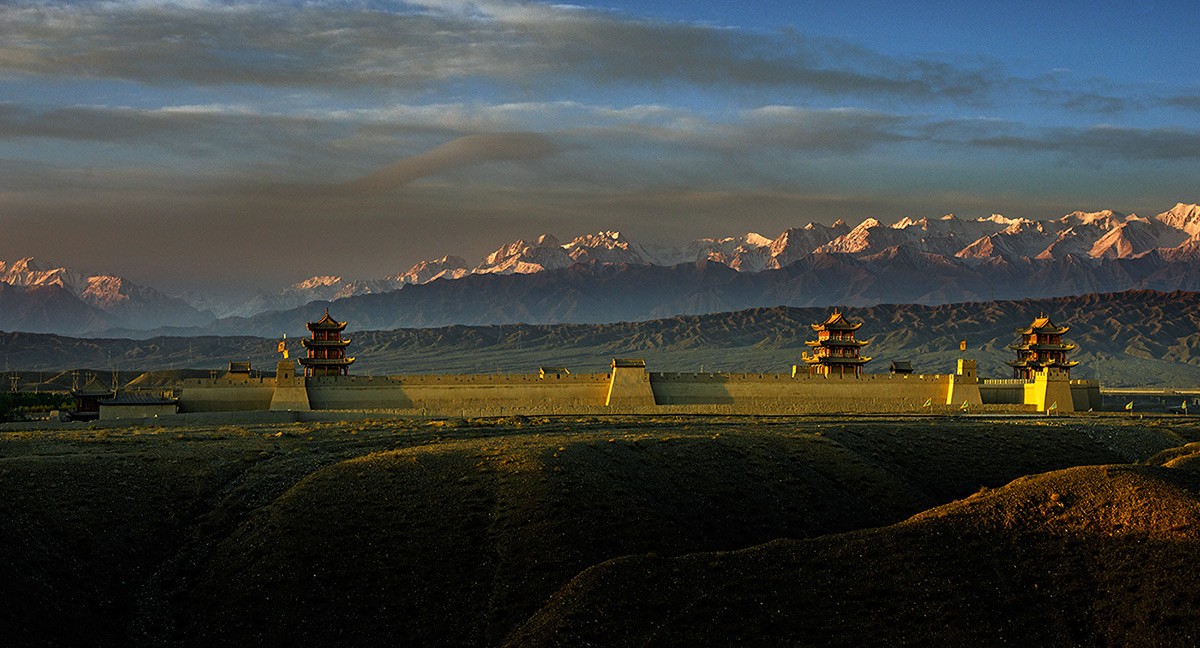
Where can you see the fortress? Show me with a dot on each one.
(830, 380)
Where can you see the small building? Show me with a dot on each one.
(124, 405)
(326, 348)
(87, 400)
(1041, 346)
(835, 352)
(901, 367)
(239, 372)
(552, 371)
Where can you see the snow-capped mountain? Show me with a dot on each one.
(928, 260)
(447, 267)
(1185, 218)
(29, 272)
(129, 304)
(1104, 234)
(1136, 236)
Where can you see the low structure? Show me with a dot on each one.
(629, 388)
(124, 405)
(87, 399)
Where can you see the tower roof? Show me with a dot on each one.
(836, 322)
(326, 323)
(1042, 324)
(93, 387)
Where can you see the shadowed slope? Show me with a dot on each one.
(455, 543)
(453, 533)
(1082, 556)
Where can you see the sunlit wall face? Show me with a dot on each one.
(279, 140)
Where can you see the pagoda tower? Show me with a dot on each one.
(1041, 346)
(835, 351)
(326, 348)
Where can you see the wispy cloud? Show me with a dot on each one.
(429, 44)
(1101, 144)
(463, 151)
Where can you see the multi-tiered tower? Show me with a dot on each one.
(1041, 347)
(835, 351)
(326, 348)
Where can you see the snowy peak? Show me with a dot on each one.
(29, 272)
(754, 239)
(603, 247)
(796, 243)
(1105, 219)
(133, 305)
(451, 267)
(1136, 236)
(1182, 217)
(520, 257)
(318, 281)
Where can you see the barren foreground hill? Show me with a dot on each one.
(601, 531)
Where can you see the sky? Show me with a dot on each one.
(236, 144)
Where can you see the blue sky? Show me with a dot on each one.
(208, 142)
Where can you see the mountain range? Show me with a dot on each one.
(605, 277)
(1130, 338)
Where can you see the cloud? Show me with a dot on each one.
(1103, 143)
(1187, 102)
(429, 45)
(461, 152)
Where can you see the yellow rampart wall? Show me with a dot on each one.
(1086, 394)
(221, 395)
(447, 393)
(642, 392)
(771, 392)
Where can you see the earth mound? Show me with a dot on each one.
(1093, 555)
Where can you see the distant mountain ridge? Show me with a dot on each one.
(1130, 338)
(605, 277)
(36, 296)
(1097, 235)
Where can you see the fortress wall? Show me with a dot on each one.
(451, 393)
(1008, 392)
(769, 393)
(582, 394)
(1086, 394)
(220, 395)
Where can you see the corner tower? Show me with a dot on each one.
(1041, 346)
(835, 351)
(326, 348)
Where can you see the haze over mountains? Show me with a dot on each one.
(605, 277)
